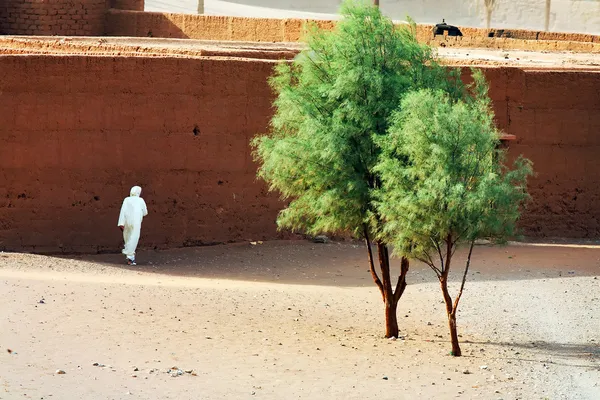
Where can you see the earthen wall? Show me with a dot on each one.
(59, 17)
(77, 132)
(208, 27)
(134, 5)
(556, 117)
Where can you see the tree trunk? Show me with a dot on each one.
(451, 312)
(454, 335)
(376, 3)
(390, 301)
(391, 319)
(389, 296)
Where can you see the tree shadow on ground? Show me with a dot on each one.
(582, 355)
(291, 262)
(344, 263)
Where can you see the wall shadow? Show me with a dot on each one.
(144, 24)
(344, 263)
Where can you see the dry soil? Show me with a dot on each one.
(296, 320)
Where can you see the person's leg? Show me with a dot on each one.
(131, 244)
(131, 240)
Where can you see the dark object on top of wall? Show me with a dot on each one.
(452, 30)
(500, 33)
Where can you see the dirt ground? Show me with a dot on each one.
(296, 320)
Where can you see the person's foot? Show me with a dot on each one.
(131, 262)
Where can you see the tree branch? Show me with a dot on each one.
(459, 235)
(431, 265)
(371, 264)
(464, 279)
(439, 250)
(401, 284)
(384, 265)
(431, 261)
(446, 269)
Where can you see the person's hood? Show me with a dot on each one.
(135, 191)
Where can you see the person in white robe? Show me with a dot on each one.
(132, 213)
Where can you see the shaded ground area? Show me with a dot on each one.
(296, 320)
(345, 263)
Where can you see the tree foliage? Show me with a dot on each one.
(445, 181)
(332, 103)
(444, 173)
(372, 137)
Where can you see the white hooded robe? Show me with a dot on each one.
(133, 211)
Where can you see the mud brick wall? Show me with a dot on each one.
(59, 17)
(77, 132)
(56, 17)
(210, 27)
(135, 5)
(556, 117)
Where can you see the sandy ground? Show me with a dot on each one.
(295, 320)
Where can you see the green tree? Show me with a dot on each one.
(445, 182)
(333, 102)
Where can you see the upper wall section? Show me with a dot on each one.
(135, 5)
(59, 17)
(208, 27)
(559, 15)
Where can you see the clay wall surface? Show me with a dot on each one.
(59, 17)
(188, 26)
(184, 26)
(135, 5)
(556, 118)
(78, 132)
(56, 17)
